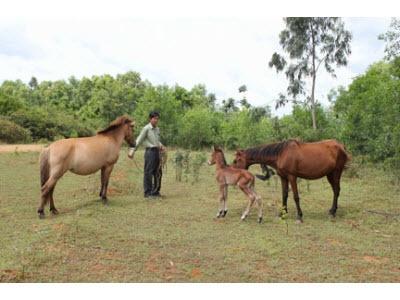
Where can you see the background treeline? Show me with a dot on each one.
(365, 115)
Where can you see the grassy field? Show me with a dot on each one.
(177, 239)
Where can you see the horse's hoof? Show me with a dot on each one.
(260, 220)
(224, 213)
(42, 216)
(299, 221)
(243, 218)
(332, 213)
(54, 211)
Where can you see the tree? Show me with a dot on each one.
(229, 105)
(33, 83)
(392, 39)
(309, 43)
(243, 102)
(370, 111)
(243, 88)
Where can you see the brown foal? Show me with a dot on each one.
(227, 175)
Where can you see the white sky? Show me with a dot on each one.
(221, 51)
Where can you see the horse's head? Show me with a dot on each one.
(129, 126)
(216, 156)
(240, 160)
(121, 124)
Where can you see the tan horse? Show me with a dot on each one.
(227, 175)
(292, 159)
(83, 156)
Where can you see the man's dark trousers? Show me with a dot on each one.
(152, 172)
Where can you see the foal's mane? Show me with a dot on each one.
(115, 124)
(268, 150)
(223, 156)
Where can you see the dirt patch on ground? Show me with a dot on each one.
(12, 275)
(21, 148)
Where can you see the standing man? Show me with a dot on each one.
(150, 138)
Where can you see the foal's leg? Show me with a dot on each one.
(293, 184)
(107, 172)
(221, 198)
(225, 201)
(260, 207)
(252, 198)
(285, 193)
(334, 180)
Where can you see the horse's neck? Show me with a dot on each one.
(117, 135)
(268, 160)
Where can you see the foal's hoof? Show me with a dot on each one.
(41, 213)
(260, 220)
(220, 214)
(332, 213)
(224, 213)
(105, 201)
(299, 221)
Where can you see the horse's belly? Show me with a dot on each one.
(89, 165)
(84, 170)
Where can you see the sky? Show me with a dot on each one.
(222, 52)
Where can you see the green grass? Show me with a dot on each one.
(177, 239)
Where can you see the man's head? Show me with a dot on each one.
(153, 118)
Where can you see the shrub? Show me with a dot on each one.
(13, 133)
(44, 124)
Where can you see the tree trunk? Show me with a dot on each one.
(314, 75)
(314, 119)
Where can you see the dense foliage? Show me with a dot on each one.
(369, 114)
(365, 116)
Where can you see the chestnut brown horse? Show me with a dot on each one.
(227, 175)
(292, 159)
(83, 156)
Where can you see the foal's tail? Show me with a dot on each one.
(44, 166)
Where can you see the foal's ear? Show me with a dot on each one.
(217, 148)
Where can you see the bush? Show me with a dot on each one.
(47, 125)
(199, 128)
(13, 133)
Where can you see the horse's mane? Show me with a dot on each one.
(115, 124)
(273, 149)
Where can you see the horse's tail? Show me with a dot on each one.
(267, 173)
(44, 166)
(262, 177)
(347, 157)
